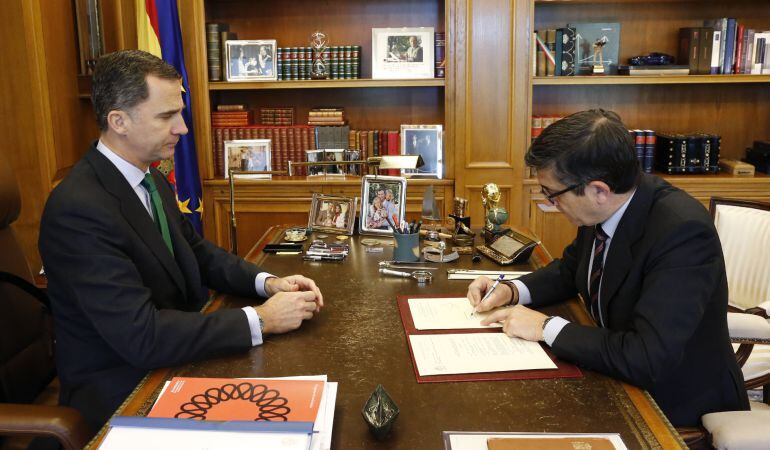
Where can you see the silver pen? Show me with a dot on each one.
(489, 292)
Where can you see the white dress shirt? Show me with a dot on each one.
(134, 176)
(555, 325)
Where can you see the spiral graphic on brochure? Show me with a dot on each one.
(271, 406)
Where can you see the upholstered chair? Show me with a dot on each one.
(744, 230)
(26, 344)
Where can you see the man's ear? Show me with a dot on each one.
(599, 190)
(118, 121)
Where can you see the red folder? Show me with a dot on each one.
(563, 369)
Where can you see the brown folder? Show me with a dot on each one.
(537, 443)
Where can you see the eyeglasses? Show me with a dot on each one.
(551, 196)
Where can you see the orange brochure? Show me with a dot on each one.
(225, 399)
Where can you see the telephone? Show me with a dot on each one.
(509, 248)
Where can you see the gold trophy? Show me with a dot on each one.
(598, 58)
(490, 198)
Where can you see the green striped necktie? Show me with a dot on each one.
(157, 210)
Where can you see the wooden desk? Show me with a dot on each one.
(359, 341)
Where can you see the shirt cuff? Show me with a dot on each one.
(259, 283)
(525, 298)
(553, 328)
(256, 330)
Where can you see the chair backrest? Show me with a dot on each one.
(744, 230)
(26, 351)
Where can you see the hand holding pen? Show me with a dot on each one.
(500, 278)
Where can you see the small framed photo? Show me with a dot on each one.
(402, 53)
(332, 154)
(251, 60)
(381, 197)
(248, 154)
(332, 214)
(426, 141)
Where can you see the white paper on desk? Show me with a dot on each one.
(132, 438)
(462, 440)
(446, 314)
(473, 274)
(444, 354)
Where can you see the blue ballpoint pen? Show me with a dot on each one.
(500, 278)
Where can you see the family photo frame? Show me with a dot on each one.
(252, 60)
(381, 197)
(426, 141)
(248, 154)
(332, 214)
(403, 53)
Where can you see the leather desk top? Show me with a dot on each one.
(358, 340)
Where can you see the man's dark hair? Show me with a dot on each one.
(587, 146)
(120, 81)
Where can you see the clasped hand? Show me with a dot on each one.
(292, 299)
(518, 321)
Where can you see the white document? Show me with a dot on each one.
(444, 354)
(132, 438)
(322, 428)
(446, 314)
(459, 440)
(472, 274)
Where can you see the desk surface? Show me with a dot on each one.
(358, 340)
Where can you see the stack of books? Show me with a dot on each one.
(231, 116)
(276, 116)
(540, 123)
(294, 413)
(326, 117)
(216, 36)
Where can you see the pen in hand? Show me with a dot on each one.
(500, 278)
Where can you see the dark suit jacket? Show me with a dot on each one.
(664, 304)
(122, 303)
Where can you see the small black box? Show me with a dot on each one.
(759, 156)
(694, 153)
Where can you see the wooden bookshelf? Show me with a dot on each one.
(736, 107)
(324, 84)
(369, 104)
(649, 79)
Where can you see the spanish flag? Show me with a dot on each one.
(158, 33)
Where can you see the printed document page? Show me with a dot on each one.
(444, 354)
(446, 314)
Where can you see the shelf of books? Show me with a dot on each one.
(324, 84)
(689, 79)
(292, 79)
(650, 79)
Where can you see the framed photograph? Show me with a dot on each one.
(423, 140)
(332, 214)
(248, 154)
(251, 60)
(402, 53)
(381, 197)
(332, 154)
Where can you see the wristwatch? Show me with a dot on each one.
(545, 322)
(261, 324)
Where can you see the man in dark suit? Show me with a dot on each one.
(648, 262)
(126, 270)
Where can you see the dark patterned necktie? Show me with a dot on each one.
(157, 210)
(596, 270)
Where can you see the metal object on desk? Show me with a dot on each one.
(422, 276)
(405, 265)
(380, 412)
(295, 234)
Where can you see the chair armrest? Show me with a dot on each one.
(748, 328)
(61, 422)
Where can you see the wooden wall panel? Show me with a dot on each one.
(491, 97)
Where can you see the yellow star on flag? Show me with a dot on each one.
(200, 207)
(183, 206)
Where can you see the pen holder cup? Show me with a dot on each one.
(407, 247)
